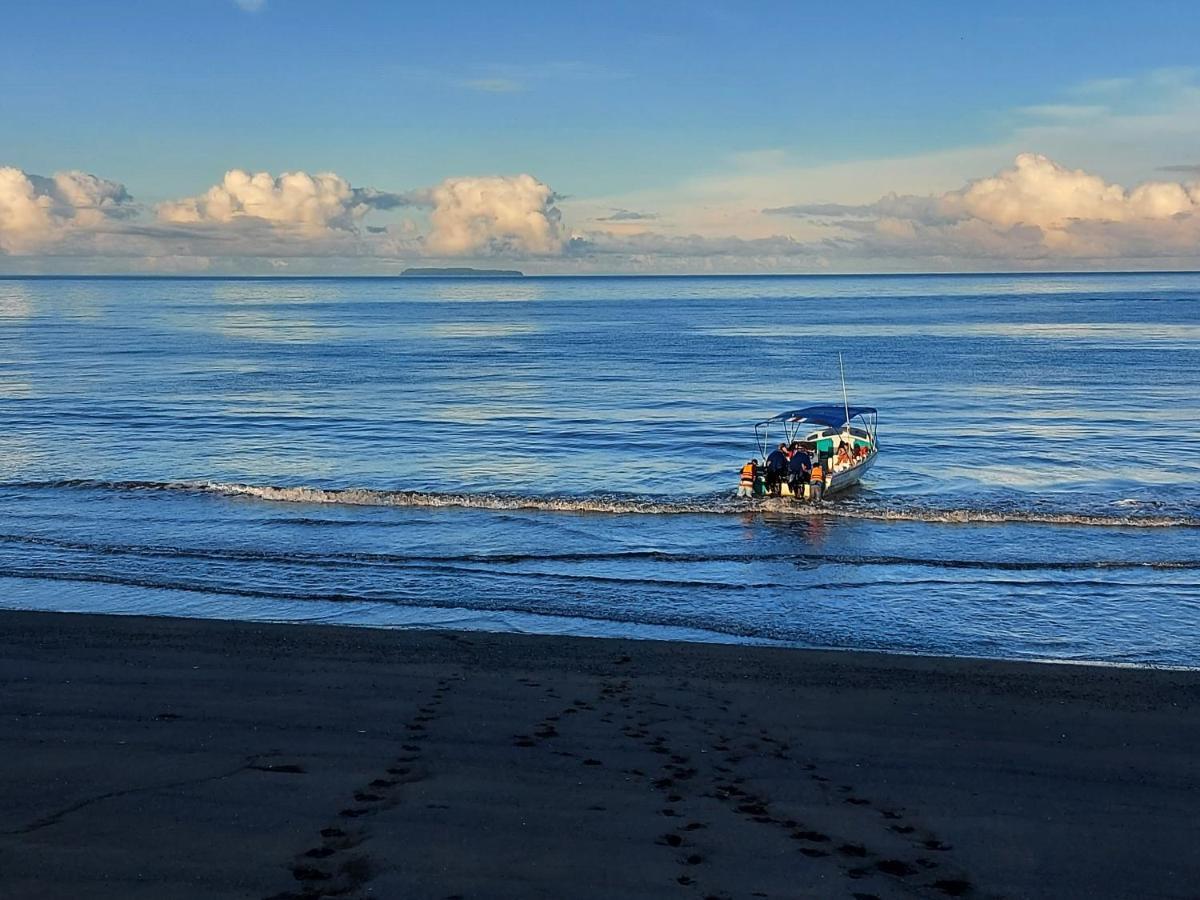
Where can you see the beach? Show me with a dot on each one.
(154, 757)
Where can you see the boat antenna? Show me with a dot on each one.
(845, 400)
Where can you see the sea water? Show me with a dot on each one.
(560, 455)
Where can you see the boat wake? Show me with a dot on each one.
(877, 507)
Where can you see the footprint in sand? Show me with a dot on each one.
(953, 887)
(309, 873)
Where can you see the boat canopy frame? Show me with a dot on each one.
(797, 421)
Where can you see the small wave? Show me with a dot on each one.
(712, 504)
(720, 503)
(496, 605)
(1016, 516)
(464, 562)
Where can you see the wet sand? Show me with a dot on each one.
(150, 758)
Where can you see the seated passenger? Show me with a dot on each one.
(842, 459)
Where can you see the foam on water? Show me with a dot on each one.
(615, 504)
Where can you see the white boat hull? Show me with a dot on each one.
(837, 482)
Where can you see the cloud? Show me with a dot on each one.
(891, 205)
(290, 216)
(1038, 191)
(321, 215)
(36, 211)
(649, 244)
(1035, 209)
(1193, 169)
(508, 78)
(250, 6)
(311, 204)
(486, 216)
(626, 215)
(495, 215)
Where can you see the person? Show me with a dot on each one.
(746, 480)
(777, 466)
(799, 468)
(817, 482)
(843, 460)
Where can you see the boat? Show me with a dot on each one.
(820, 429)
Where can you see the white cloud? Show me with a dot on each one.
(495, 215)
(483, 216)
(250, 6)
(1036, 209)
(309, 203)
(36, 212)
(1038, 191)
(25, 218)
(290, 216)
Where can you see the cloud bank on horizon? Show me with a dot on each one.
(1035, 210)
(1036, 213)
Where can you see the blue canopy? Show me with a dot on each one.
(829, 415)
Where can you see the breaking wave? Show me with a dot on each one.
(721, 503)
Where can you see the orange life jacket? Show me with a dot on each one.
(818, 474)
(747, 474)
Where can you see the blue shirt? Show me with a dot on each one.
(800, 462)
(777, 462)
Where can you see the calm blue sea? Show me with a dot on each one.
(560, 455)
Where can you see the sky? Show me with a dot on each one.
(304, 137)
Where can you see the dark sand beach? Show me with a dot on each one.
(151, 758)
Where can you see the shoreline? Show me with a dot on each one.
(672, 634)
(149, 757)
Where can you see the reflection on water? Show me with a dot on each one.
(476, 290)
(20, 457)
(14, 301)
(1099, 332)
(480, 329)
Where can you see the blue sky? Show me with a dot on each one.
(605, 103)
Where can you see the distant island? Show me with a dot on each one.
(464, 272)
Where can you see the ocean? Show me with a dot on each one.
(560, 455)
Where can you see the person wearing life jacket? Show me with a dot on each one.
(816, 481)
(843, 460)
(746, 479)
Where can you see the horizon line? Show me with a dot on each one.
(131, 276)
